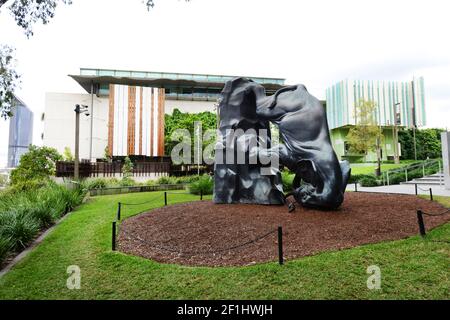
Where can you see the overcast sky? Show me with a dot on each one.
(316, 43)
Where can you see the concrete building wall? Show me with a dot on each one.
(59, 123)
(189, 106)
(339, 136)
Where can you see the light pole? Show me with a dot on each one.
(414, 119)
(78, 109)
(397, 121)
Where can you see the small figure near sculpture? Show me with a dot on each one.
(320, 179)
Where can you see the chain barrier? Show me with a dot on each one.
(163, 248)
(435, 214)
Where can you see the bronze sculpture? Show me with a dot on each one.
(320, 179)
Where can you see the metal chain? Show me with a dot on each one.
(436, 214)
(202, 252)
(138, 204)
(423, 189)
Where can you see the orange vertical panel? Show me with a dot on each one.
(151, 121)
(131, 119)
(161, 122)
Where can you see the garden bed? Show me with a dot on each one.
(198, 233)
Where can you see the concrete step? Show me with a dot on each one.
(434, 179)
(435, 183)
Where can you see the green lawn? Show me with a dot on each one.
(370, 169)
(412, 268)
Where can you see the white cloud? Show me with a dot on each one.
(313, 42)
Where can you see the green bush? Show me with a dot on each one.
(288, 178)
(19, 227)
(98, 183)
(358, 177)
(369, 181)
(396, 178)
(205, 185)
(127, 182)
(24, 213)
(5, 247)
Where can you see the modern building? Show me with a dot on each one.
(398, 105)
(126, 109)
(20, 132)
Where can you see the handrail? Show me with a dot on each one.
(424, 164)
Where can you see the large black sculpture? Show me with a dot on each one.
(320, 179)
(242, 182)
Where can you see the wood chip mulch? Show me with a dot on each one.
(201, 233)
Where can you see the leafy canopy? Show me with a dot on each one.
(185, 120)
(9, 80)
(37, 165)
(362, 138)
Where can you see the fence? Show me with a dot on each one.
(111, 169)
(421, 223)
(386, 175)
(130, 189)
(416, 189)
(120, 205)
(140, 169)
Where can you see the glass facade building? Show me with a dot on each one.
(20, 133)
(401, 102)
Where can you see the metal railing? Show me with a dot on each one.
(423, 165)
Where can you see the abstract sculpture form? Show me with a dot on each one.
(320, 179)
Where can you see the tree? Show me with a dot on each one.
(363, 137)
(185, 120)
(127, 171)
(9, 80)
(428, 142)
(35, 166)
(26, 13)
(67, 155)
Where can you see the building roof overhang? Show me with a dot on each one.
(86, 81)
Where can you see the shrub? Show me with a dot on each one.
(358, 177)
(98, 183)
(24, 213)
(287, 178)
(396, 178)
(369, 181)
(38, 164)
(127, 182)
(19, 227)
(205, 185)
(5, 247)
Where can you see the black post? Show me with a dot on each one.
(356, 186)
(431, 194)
(165, 198)
(280, 245)
(114, 236)
(415, 186)
(119, 208)
(421, 224)
(201, 195)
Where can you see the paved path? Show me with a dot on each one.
(404, 188)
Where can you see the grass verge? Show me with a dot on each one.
(412, 268)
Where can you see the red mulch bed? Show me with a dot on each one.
(188, 233)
